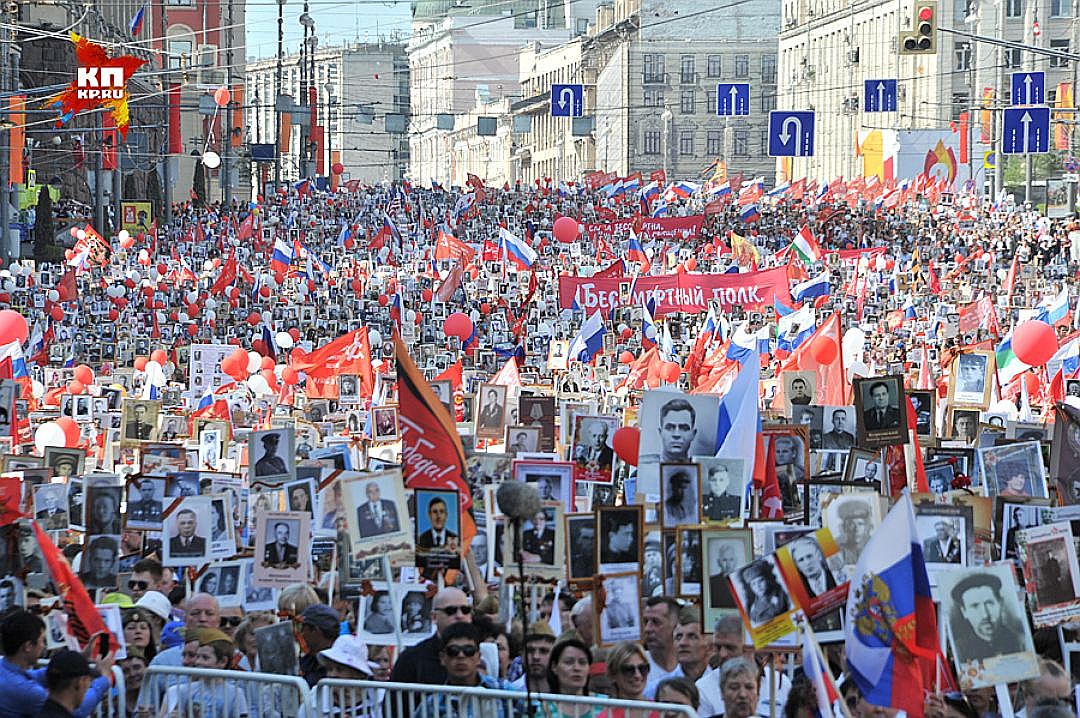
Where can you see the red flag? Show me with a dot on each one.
(10, 496)
(772, 505)
(348, 354)
(432, 455)
(448, 246)
(832, 386)
(450, 284)
(84, 621)
(246, 229)
(67, 288)
(226, 277)
(615, 269)
(921, 484)
(508, 375)
(935, 285)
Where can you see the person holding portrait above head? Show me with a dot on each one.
(880, 415)
(438, 536)
(982, 625)
(677, 430)
(718, 503)
(281, 553)
(377, 515)
(838, 438)
(270, 464)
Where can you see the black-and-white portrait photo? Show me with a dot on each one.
(1052, 563)
(538, 536)
(620, 617)
(761, 592)
(379, 614)
(924, 402)
(963, 424)
(274, 646)
(971, 379)
(789, 452)
(852, 519)
(271, 455)
(581, 546)
(103, 509)
(882, 411)
(674, 429)
(619, 542)
(100, 562)
(490, 410)
(800, 388)
(522, 439)
(813, 418)
(139, 420)
(415, 612)
(65, 463)
(301, 495)
(593, 453)
(838, 428)
(51, 506)
(282, 549)
(145, 503)
(348, 389)
(724, 553)
(939, 477)
(187, 533)
(723, 487)
(680, 492)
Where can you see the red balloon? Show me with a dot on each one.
(113, 315)
(626, 441)
(427, 294)
(823, 349)
(1034, 342)
(72, 434)
(357, 286)
(625, 334)
(383, 300)
(708, 248)
(264, 292)
(192, 329)
(670, 371)
(266, 363)
(75, 387)
(337, 168)
(626, 358)
(485, 308)
(84, 374)
(254, 318)
(458, 325)
(1033, 383)
(289, 376)
(140, 363)
(159, 356)
(57, 313)
(566, 229)
(691, 264)
(259, 347)
(295, 334)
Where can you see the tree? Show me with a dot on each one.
(45, 249)
(198, 185)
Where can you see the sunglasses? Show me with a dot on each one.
(456, 651)
(641, 669)
(139, 585)
(454, 610)
(230, 621)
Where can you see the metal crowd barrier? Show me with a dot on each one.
(381, 699)
(178, 692)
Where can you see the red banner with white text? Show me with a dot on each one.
(679, 292)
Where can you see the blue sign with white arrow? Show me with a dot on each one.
(1028, 88)
(791, 133)
(732, 98)
(879, 95)
(567, 101)
(1026, 130)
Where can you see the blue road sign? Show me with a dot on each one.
(1026, 130)
(732, 98)
(567, 101)
(791, 133)
(1028, 88)
(879, 95)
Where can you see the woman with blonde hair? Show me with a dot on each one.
(628, 669)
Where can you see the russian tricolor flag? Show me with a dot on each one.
(681, 189)
(137, 21)
(814, 287)
(720, 190)
(750, 214)
(817, 672)
(649, 335)
(517, 250)
(649, 193)
(1055, 309)
(282, 257)
(636, 253)
(589, 341)
(345, 235)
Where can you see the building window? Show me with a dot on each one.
(768, 69)
(764, 142)
(1014, 8)
(742, 66)
(714, 66)
(1060, 8)
(1012, 58)
(714, 143)
(740, 143)
(960, 103)
(962, 56)
(686, 142)
(653, 98)
(768, 99)
(178, 49)
(1062, 46)
(686, 70)
(686, 102)
(651, 142)
(710, 102)
(653, 69)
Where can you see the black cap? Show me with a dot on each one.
(323, 618)
(975, 580)
(69, 664)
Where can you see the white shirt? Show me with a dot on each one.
(658, 673)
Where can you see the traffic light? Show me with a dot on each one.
(922, 40)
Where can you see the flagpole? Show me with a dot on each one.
(824, 664)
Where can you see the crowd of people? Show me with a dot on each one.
(270, 438)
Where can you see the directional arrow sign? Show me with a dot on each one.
(567, 101)
(879, 95)
(732, 98)
(1028, 88)
(791, 133)
(1026, 130)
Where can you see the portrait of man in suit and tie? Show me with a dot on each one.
(435, 523)
(281, 549)
(492, 410)
(185, 542)
(377, 515)
(592, 451)
(50, 501)
(883, 417)
(944, 544)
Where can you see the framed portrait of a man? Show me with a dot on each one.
(348, 389)
(679, 494)
(271, 456)
(542, 544)
(813, 419)
(947, 535)
(490, 417)
(987, 626)
(380, 522)
(620, 617)
(1047, 554)
(50, 506)
(852, 519)
(101, 561)
(800, 388)
(675, 428)
(139, 421)
(282, 548)
(723, 551)
(970, 381)
(1065, 454)
(723, 490)
(580, 546)
(593, 452)
(924, 402)
(385, 426)
(65, 462)
(522, 439)
(619, 537)
(438, 528)
(186, 530)
(962, 424)
(881, 410)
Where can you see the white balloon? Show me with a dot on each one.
(143, 255)
(183, 316)
(192, 297)
(410, 316)
(211, 303)
(152, 369)
(284, 340)
(374, 337)
(254, 362)
(54, 296)
(211, 159)
(124, 234)
(81, 234)
(37, 388)
(49, 434)
(258, 384)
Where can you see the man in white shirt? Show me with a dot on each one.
(659, 620)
